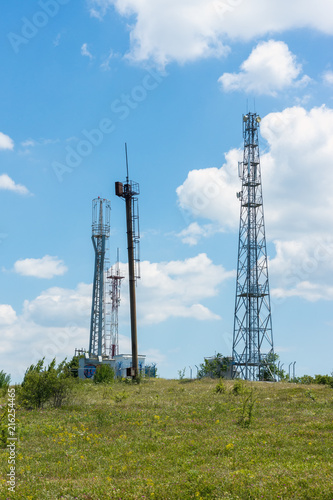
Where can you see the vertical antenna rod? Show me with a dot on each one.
(126, 163)
(128, 192)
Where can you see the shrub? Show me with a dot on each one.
(73, 366)
(306, 379)
(220, 388)
(323, 380)
(239, 387)
(4, 428)
(40, 385)
(215, 367)
(4, 380)
(104, 374)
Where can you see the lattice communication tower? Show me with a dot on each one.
(253, 350)
(101, 210)
(114, 282)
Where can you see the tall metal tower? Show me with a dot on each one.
(114, 280)
(129, 191)
(252, 348)
(100, 234)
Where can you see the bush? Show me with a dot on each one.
(323, 380)
(40, 385)
(104, 374)
(220, 387)
(215, 367)
(239, 387)
(73, 366)
(4, 380)
(306, 379)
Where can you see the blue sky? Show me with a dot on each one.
(172, 79)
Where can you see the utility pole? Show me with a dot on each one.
(129, 191)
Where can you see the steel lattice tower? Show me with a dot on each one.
(114, 280)
(100, 234)
(252, 348)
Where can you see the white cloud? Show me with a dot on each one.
(29, 143)
(298, 199)
(7, 315)
(306, 290)
(328, 77)
(303, 267)
(56, 41)
(194, 232)
(6, 142)
(6, 183)
(155, 356)
(85, 51)
(169, 30)
(270, 68)
(106, 63)
(58, 319)
(177, 289)
(210, 193)
(47, 267)
(57, 306)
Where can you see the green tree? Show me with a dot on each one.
(4, 380)
(270, 370)
(43, 384)
(73, 366)
(104, 374)
(216, 367)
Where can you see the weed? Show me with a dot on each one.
(239, 387)
(4, 428)
(176, 441)
(220, 388)
(246, 416)
(310, 395)
(120, 396)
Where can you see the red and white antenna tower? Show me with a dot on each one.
(114, 281)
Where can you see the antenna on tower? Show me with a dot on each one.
(252, 350)
(129, 191)
(115, 280)
(127, 176)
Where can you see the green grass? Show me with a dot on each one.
(168, 439)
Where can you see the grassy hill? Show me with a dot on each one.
(169, 439)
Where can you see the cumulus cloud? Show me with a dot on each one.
(194, 232)
(6, 142)
(57, 306)
(210, 193)
(270, 68)
(58, 319)
(47, 267)
(178, 288)
(298, 201)
(168, 30)
(6, 183)
(7, 315)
